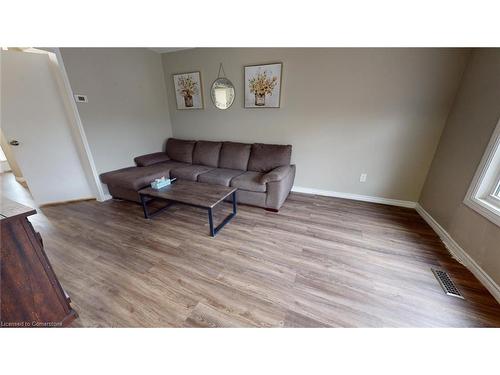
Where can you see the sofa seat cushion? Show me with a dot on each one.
(265, 157)
(250, 181)
(138, 177)
(180, 150)
(207, 153)
(219, 176)
(189, 172)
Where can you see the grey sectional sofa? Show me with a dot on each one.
(261, 172)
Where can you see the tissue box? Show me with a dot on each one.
(160, 183)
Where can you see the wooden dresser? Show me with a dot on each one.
(30, 294)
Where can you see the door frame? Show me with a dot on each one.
(78, 130)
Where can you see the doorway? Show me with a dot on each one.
(4, 164)
(37, 129)
(12, 182)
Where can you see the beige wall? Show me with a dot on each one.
(345, 111)
(471, 123)
(127, 113)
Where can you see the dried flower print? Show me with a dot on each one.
(262, 85)
(187, 86)
(188, 90)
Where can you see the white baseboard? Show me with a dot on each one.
(56, 203)
(460, 255)
(356, 197)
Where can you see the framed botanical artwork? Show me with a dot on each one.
(263, 86)
(188, 90)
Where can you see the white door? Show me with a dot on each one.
(35, 123)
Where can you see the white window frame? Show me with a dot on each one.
(483, 195)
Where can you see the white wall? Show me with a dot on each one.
(127, 112)
(345, 111)
(33, 112)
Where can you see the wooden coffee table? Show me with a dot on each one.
(196, 194)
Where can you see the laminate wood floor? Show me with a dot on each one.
(319, 262)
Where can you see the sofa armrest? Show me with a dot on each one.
(150, 159)
(276, 174)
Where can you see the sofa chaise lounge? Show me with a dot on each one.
(261, 172)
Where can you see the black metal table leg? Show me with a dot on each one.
(211, 222)
(214, 231)
(144, 206)
(147, 214)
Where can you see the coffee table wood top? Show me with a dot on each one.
(189, 192)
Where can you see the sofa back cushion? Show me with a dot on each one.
(265, 157)
(180, 150)
(234, 155)
(207, 153)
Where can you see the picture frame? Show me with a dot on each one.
(263, 85)
(188, 89)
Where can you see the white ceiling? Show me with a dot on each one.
(167, 49)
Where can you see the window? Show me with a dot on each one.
(484, 193)
(497, 191)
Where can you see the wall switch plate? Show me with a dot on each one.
(79, 98)
(362, 178)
